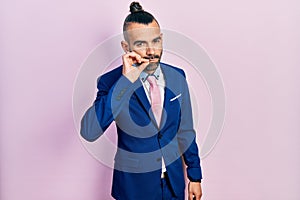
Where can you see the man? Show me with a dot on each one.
(150, 103)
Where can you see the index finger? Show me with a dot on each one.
(133, 55)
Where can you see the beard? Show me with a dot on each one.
(153, 65)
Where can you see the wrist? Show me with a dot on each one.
(195, 180)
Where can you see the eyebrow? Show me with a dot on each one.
(159, 37)
(141, 41)
(138, 41)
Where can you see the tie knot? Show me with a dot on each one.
(152, 80)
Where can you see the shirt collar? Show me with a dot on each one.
(156, 74)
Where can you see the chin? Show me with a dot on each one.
(152, 66)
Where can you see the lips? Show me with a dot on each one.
(153, 60)
(152, 57)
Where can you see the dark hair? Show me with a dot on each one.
(138, 15)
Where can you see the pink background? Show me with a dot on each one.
(255, 45)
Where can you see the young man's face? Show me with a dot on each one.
(145, 40)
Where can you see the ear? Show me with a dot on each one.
(125, 46)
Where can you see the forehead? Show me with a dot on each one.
(136, 31)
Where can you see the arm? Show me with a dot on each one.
(188, 146)
(99, 116)
(111, 97)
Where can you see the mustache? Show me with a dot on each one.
(152, 57)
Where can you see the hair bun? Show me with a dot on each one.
(135, 7)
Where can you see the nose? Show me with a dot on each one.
(150, 50)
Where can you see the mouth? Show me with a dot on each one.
(153, 58)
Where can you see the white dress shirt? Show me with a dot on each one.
(161, 84)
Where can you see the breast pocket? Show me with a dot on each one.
(174, 104)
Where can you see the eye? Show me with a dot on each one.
(157, 40)
(140, 44)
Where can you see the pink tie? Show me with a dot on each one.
(155, 99)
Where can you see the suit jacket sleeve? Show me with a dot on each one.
(111, 96)
(187, 137)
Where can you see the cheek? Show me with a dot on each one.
(158, 48)
(140, 51)
(158, 52)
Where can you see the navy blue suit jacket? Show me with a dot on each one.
(141, 143)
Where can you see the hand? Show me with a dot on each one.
(133, 72)
(195, 191)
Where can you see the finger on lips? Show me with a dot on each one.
(145, 60)
(136, 58)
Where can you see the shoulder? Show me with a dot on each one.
(116, 72)
(169, 69)
(110, 77)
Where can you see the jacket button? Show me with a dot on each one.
(158, 159)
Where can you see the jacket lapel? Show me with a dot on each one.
(169, 83)
(141, 95)
(167, 94)
(172, 90)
